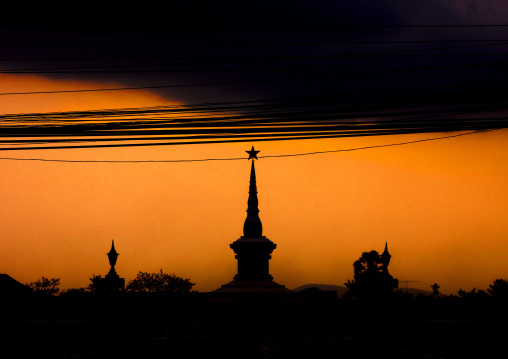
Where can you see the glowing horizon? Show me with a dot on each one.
(440, 205)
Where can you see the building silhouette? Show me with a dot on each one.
(112, 283)
(10, 287)
(385, 259)
(390, 283)
(253, 250)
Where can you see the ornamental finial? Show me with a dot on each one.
(385, 258)
(112, 256)
(252, 227)
(253, 153)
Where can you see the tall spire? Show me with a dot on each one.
(253, 250)
(252, 227)
(385, 258)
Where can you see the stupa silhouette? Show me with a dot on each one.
(111, 283)
(253, 250)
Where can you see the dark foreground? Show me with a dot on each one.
(312, 325)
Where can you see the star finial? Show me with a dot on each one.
(252, 153)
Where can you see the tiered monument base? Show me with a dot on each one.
(253, 286)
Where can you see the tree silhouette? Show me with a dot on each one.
(74, 292)
(95, 286)
(45, 286)
(371, 277)
(369, 265)
(499, 290)
(473, 297)
(435, 289)
(159, 283)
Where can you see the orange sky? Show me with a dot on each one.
(441, 205)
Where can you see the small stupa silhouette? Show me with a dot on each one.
(112, 283)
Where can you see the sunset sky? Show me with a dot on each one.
(441, 205)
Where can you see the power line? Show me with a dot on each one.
(325, 116)
(228, 43)
(388, 145)
(271, 27)
(289, 118)
(233, 43)
(280, 69)
(290, 100)
(222, 60)
(384, 54)
(358, 26)
(395, 70)
(243, 158)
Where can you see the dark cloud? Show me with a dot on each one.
(239, 51)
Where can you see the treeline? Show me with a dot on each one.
(144, 282)
(373, 283)
(372, 292)
(488, 304)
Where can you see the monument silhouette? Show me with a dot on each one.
(385, 259)
(253, 250)
(112, 283)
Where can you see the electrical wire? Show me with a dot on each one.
(222, 60)
(243, 158)
(384, 72)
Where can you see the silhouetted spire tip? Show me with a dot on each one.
(253, 153)
(112, 251)
(385, 256)
(252, 227)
